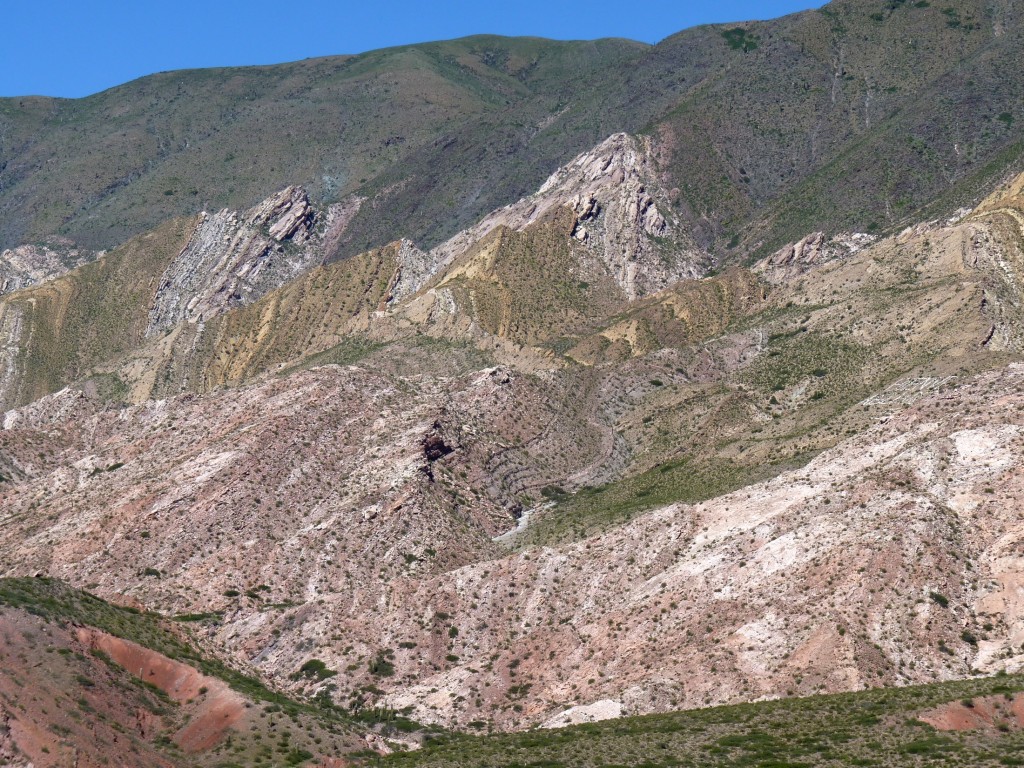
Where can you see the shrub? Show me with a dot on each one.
(298, 756)
(739, 39)
(381, 666)
(314, 669)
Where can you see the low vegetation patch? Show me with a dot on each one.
(684, 480)
(877, 727)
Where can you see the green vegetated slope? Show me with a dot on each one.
(821, 344)
(853, 116)
(877, 107)
(111, 165)
(856, 116)
(530, 286)
(870, 728)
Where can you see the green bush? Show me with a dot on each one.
(314, 669)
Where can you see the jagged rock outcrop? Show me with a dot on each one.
(234, 259)
(29, 265)
(11, 326)
(415, 268)
(287, 215)
(623, 224)
(624, 217)
(600, 227)
(597, 235)
(795, 259)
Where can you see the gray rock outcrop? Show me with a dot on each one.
(29, 265)
(234, 258)
(794, 259)
(625, 223)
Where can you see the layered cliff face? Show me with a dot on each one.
(794, 259)
(622, 220)
(57, 332)
(624, 216)
(64, 324)
(234, 259)
(313, 314)
(522, 277)
(598, 234)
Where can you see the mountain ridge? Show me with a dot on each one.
(430, 181)
(761, 393)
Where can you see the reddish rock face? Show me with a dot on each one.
(87, 697)
(220, 709)
(979, 713)
(68, 709)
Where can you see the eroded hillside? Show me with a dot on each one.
(84, 682)
(350, 499)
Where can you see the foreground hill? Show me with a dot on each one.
(109, 681)
(976, 723)
(84, 682)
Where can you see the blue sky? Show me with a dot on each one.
(77, 47)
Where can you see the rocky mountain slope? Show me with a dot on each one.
(29, 265)
(185, 273)
(377, 480)
(596, 225)
(672, 424)
(106, 681)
